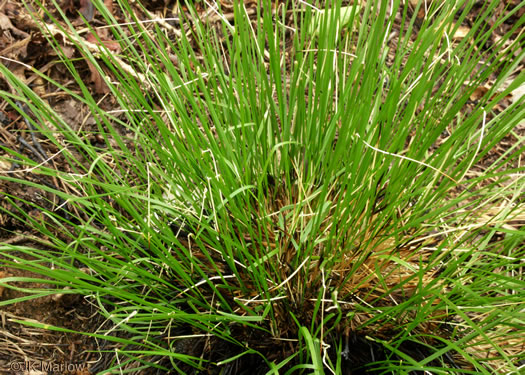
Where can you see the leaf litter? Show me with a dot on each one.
(23, 48)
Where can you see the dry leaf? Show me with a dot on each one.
(5, 24)
(68, 109)
(461, 32)
(109, 44)
(518, 93)
(93, 47)
(413, 4)
(16, 49)
(478, 93)
(109, 5)
(96, 78)
(4, 167)
(68, 51)
(87, 9)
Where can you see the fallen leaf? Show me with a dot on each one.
(68, 51)
(109, 5)
(461, 32)
(19, 71)
(68, 6)
(421, 12)
(16, 49)
(69, 111)
(478, 93)
(4, 167)
(109, 44)
(5, 24)
(96, 78)
(12, 115)
(87, 9)
(518, 93)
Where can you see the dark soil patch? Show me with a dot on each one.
(22, 41)
(32, 348)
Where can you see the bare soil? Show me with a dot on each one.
(22, 42)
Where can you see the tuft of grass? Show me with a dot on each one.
(291, 185)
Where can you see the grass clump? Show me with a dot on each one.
(299, 194)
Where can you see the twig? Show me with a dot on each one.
(27, 111)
